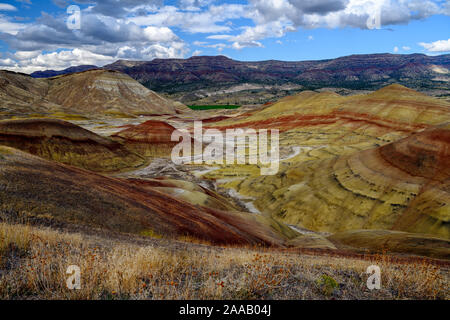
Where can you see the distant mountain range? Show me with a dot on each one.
(53, 73)
(355, 72)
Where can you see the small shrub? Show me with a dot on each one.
(152, 234)
(327, 285)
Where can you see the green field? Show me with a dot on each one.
(211, 107)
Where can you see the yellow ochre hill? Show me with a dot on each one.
(373, 161)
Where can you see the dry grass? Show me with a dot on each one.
(34, 262)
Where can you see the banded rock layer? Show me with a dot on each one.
(38, 189)
(375, 161)
(402, 186)
(150, 139)
(65, 142)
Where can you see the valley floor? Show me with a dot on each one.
(34, 260)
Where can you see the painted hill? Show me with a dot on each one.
(187, 191)
(151, 131)
(100, 91)
(392, 108)
(67, 143)
(151, 138)
(20, 94)
(402, 186)
(38, 189)
(380, 241)
(426, 157)
(375, 161)
(94, 92)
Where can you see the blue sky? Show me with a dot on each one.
(34, 35)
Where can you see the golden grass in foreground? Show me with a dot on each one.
(33, 263)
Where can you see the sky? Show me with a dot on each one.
(56, 34)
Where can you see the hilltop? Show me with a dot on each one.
(54, 73)
(94, 92)
(392, 109)
(101, 91)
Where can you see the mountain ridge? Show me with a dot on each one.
(222, 80)
(144, 71)
(53, 73)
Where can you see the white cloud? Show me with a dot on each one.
(57, 60)
(194, 5)
(446, 8)
(406, 48)
(101, 40)
(273, 18)
(238, 45)
(342, 13)
(9, 27)
(113, 8)
(199, 43)
(219, 37)
(197, 53)
(21, 55)
(251, 35)
(395, 49)
(28, 62)
(207, 21)
(175, 50)
(310, 38)
(7, 62)
(219, 46)
(162, 34)
(7, 7)
(437, 46)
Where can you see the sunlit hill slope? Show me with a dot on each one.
(376, 161)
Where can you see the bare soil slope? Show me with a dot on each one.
(67, 143)
(47, 190)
